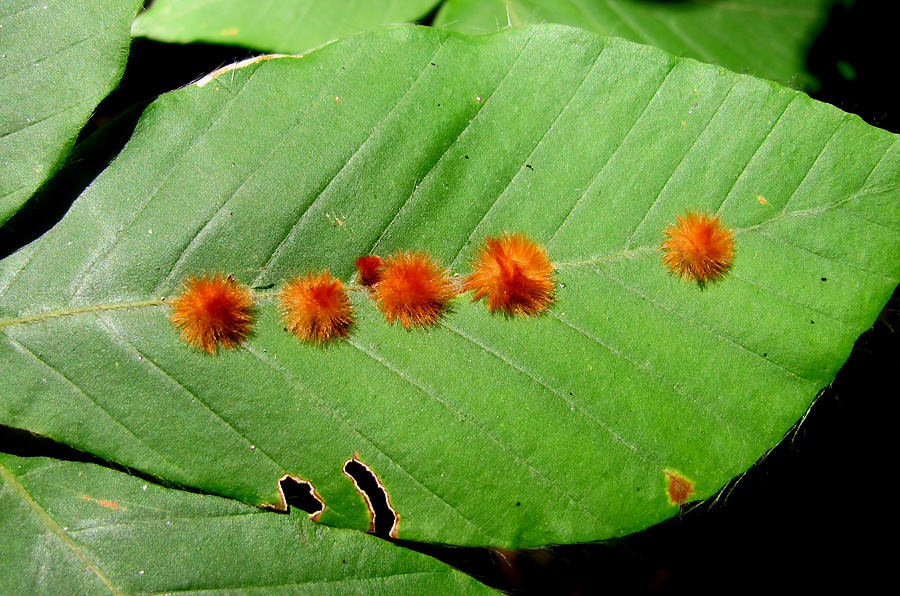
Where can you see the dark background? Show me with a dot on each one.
(812, 514)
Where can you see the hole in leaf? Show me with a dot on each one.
(301, 494)
(384, 519)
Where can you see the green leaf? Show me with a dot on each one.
(287, 26)
(483, 429)
(767, 38)
(58, 59)
(79, 528)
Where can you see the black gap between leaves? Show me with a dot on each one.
(153, 68)
(53, 199)
(23, 443)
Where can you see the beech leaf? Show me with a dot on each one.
(637, 391)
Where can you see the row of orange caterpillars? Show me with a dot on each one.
(511, 272)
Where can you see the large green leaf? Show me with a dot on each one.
(58, 59)
(289, 26)
(78, 528)
(767, 38)
(483, 429)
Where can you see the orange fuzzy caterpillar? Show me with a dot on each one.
(698, 247)
(369, 267)
(514, 274)
(413, 288)
(316, 307)
(213, 310)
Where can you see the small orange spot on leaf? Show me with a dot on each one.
(678, 487)
(110, 504)
(761, 199)
(230, 31)
(105, 503)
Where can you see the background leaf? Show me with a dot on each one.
(559, 428)
(58, 59)
(767, 38)
(287, 26)
(79, 528)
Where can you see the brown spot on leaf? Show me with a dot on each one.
(678, 487)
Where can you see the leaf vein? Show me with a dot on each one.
(534, 149)
(793, 301)
(812, 166)
(699, 325)
(80, 284)
(677, 167)
(647, 369)
(762, 143)
(560, 394)
(324, 405)
(451, 145)
(26, 125)
(123, 341)
(62, 50)
(762, 232)
(600, 172)
(433, 395)
(372, 134)
(85, 394)
(247, 178)
(243, 589)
